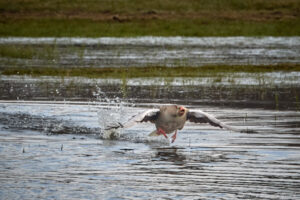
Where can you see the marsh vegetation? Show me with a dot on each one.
(158, 18)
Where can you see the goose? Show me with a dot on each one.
(170, 118)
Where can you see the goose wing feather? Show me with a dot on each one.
(147, 116)
(198, 116)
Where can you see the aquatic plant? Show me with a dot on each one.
(276, 96)
(47, 52)
(159, 71)
(124, 85)
(297, 102)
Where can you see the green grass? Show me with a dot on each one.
(143, 72)
(197, 27)
(12, 51)
(129, 6)
(95, 18)
(27, 51)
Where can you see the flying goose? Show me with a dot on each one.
(170, 118)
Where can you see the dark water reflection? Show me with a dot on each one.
(266, 96)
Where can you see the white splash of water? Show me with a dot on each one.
(109, 113)
(112, 134)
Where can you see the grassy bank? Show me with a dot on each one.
(195, 27)
(142, 72)
(94, 18)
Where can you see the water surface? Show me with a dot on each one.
(53, 144)
(56, 151)
(157, 51)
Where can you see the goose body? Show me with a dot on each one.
(170, 118)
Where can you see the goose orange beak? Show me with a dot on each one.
(181, 110)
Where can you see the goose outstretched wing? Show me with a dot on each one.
(146, 116)
(198, 116)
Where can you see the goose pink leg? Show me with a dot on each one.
(160, 131)
(174, 136)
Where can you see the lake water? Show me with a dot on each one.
(159, 51)
(53, 144)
